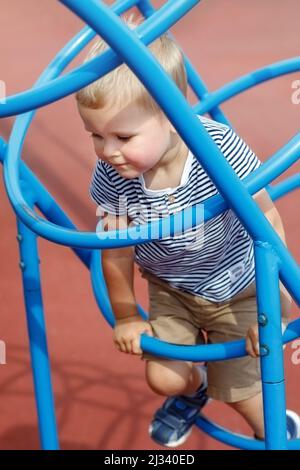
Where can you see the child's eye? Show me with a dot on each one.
(124, 138)
(96, 135)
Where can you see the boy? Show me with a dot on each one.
(196, 281)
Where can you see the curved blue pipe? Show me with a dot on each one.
(45, 93)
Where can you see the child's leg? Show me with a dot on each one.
(169, 378)
(171, 321)
(252, 411)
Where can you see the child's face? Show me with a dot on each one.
(131, 140)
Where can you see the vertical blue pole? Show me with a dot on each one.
(271, 350)
(29, 264)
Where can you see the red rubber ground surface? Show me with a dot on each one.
(102, 400)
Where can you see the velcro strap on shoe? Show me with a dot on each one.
(169, 420)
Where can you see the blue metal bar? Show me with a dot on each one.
(202, 92)
(260, 178)
(29, 264)
(274, 436)
(208, 352)
(282, 160)
(126, 43)
(46, 203)
(227, 437)
(233, 439)
(194, 80)
(289, 268)
(271, 350)
(269, 72)
(271, 169)
(46, 93)
(285, 187)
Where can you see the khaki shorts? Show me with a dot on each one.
(178, 317)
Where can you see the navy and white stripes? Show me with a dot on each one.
(214, 261)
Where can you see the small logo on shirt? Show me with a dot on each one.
(236, 272)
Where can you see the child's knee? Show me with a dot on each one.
(248, 406)
(167, 377)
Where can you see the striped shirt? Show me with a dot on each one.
(215, 260)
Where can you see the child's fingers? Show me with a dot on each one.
(252, 344)
(122, 346)
(256, 348)
(136, 342)
(249, 347)
(128, 346)
(135, 346)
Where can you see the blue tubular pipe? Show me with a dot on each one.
(202, 91)
(281, 161)
(80, 239)
(102, 20)
(50, 209)
(245, 82)
(271, 169)
(233, 439)
(154, 346)
(54, 234)
(208, 352)
(271, 350)
(3, 145)
(29, 263)
(285, 187)
(227, 437)
(46, 93)
(51, 232)
(211, 352)
(46, 203)
(194, 80)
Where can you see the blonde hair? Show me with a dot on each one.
(121, 87)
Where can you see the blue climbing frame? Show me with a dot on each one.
(273, 262)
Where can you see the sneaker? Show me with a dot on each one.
(173, 422)
(292, 424)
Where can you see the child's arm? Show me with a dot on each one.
(266, 204)
(118, 270)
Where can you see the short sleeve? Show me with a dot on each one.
(240, 157)
(103, 191)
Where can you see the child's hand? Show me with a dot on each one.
(127, 334)
(252, 343)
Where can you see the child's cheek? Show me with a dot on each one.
(134, 155)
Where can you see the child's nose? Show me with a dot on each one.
(110, 148)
